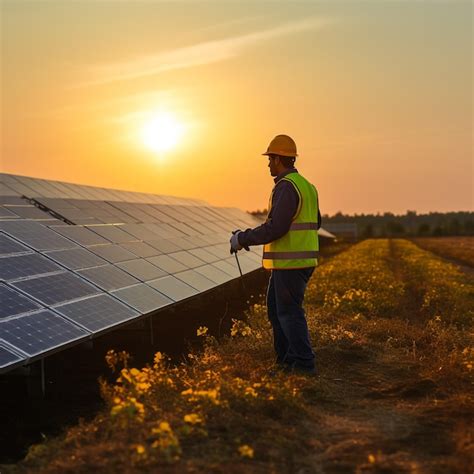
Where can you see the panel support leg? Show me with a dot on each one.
(151, 331)
(43, 381)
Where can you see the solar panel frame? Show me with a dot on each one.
(196, 280)
(141, 269)
(167, 263)
(113, 233)
(141, 249)
(9, 246)
(27, 333)
(55, 288)
(113, 253)
(9, 357)
(82, 235)
(76, 259)
(143, 298)
(173, 288)
(14, 267)
(186, 258)
(214, 274)
(97, 313)
(29, 212)
(35, 235)
(108, 277)
(14, 302)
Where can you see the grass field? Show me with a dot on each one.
(457, 248)
(390, 325)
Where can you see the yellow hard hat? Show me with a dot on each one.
(282, 145)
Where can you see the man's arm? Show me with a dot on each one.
(284, 206)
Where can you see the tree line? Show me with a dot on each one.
(396, 225)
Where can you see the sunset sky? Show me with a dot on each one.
(376, 94)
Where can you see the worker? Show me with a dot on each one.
(290, 238)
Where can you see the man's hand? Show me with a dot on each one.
(234, 242)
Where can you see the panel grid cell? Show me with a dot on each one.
(35, 235)
(196, 280)
(97, 312)
(81, 235)
(38, 332)
(143, 298)
(9, 246)
(108, 277)
(25, 265)
(14, 303)
(141, 269)
(7, 356)
(75, 259)
(113, 253)
(168, 264)
(57, 288)
(173, 288)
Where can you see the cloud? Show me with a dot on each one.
(200, 54)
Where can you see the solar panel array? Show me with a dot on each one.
(76, 261)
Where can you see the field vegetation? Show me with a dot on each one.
(390, 324)
(460, 249)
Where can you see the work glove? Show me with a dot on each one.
(234, 242)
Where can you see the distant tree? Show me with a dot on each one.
(438, 231)
(454, 227)
(368, 231)
(423, 229)
(395, 228)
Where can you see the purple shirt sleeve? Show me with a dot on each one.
(284, 206)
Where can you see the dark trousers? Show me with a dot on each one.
(285, 297)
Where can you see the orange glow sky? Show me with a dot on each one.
(376, 94)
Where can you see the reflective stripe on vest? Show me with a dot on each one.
(299, 247)
(290, 255)
(304, 226)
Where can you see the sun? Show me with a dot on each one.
(162, 132)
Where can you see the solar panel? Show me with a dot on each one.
(20, 266)
(191, 261)
(4, 212)
(195, 280)
(204, 255)
(97, 312)
(35, 235)
(139, 231)
(142, 298)
(10, 246)
(113, 233)
(141, 249)
(81, 235)
(167, 263)
(248, 264)
(163, 245)
(141, 269)
(14, 303)
(184, 244)
(76, 259)
(57, 288)
(214, 274)
(7, 356)
(112, 253)
(173, 288)
(108, 277)
(229, 267)
(29, 212)
(39, 332)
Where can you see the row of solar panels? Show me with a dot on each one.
(60, 283)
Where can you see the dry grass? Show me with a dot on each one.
(390, 324)
(457, 248)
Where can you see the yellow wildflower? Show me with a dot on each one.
(246, 451)
(202, 331)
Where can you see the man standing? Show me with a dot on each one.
(291, 244)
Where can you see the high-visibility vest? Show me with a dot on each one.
(299, 247)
